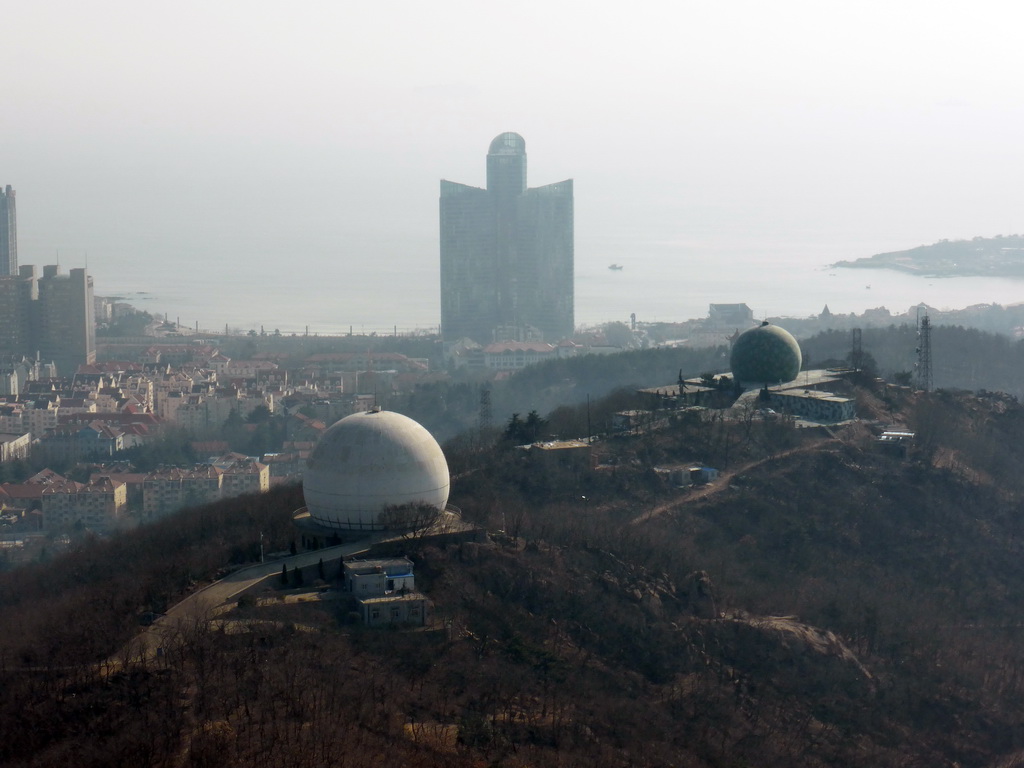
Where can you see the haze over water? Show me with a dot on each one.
(661, 281)
(278, 165)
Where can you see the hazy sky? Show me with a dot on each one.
(297, 134)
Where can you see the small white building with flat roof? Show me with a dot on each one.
(385, 589)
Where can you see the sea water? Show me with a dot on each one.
(662, 280)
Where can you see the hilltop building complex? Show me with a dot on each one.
(506, 254)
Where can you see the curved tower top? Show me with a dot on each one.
(506, 254)
(506, 165)
(508, 143)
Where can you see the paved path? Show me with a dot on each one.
(200, 606)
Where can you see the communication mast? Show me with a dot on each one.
(856, 351)
(485, 411)
(924, 352)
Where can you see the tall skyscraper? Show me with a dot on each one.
(8, 233)
(18, 296)
(65, 325)
(51, 316)
(506, 253)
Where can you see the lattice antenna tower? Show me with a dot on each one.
(924, 353)
(486, 414)
(856, 350)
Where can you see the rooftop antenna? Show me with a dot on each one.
(924, 351)
(369, 370)
(486, 413)
(856, 350)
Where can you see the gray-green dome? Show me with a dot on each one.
(765, 355)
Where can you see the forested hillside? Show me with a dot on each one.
(822, 603)
(448, 409)
(962, 358)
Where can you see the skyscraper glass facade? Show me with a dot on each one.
(8, 233)
(506, 253)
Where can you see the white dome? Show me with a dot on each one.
(367, 464)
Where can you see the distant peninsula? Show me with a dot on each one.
(999, 256)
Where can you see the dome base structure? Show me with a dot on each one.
(446, 527)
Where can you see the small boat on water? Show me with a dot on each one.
(615, 267)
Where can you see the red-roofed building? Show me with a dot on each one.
(168, 490)
(29, 494)
(244, 369)
(284, 465)
(132, 481)
(24, 496)
(300, 427)
(74, 442)
(246, 477)
(135, 428)
(98, 505)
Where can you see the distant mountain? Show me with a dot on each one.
(999, 256)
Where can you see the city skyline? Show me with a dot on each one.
(310, 144)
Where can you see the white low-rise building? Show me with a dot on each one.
(513, 355)
(385, 589)
(15, 446)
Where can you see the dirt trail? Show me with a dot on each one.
(724, 478)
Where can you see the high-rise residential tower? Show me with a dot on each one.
(65, 325)
(8, 233)
(50, 316)
(506, 253)
(18, 296)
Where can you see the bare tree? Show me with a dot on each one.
(408, 517)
